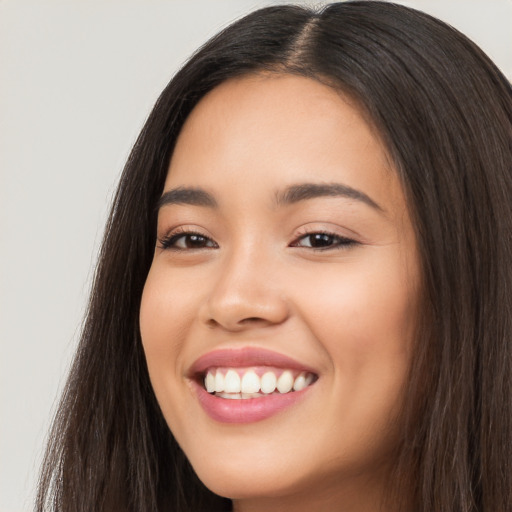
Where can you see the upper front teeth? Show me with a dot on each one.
(268, 382)
(249, 382)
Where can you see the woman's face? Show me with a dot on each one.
(285, 257)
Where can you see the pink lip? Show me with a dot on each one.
(243, 357)
(252, 409)
(246, 411)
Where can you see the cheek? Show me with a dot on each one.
(153, 325)
(165, 314)
(162, 327)
(364, 319)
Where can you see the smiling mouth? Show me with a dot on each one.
(249, 384)
(254, 382)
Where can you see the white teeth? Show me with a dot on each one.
(268, 382)
(285, 382)
(250, 382)
(219, 382)
(209, 382)
(299, 383)
(227, 383)
(231, 382)
(230, 396)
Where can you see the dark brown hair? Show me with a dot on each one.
(445, 113)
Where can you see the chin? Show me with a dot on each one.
(243, 480)
(249, 487)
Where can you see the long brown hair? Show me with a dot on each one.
(445, 113)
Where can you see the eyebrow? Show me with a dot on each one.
(196, 196)
(187, 195)
(304, 191)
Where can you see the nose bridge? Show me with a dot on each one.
(245, 292)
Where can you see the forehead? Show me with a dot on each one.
(276, 130)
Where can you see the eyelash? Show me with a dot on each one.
(169, 241)
(338, 242)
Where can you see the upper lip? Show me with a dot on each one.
(244, 357)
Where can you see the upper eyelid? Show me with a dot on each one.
(305, 231)
(182, 229)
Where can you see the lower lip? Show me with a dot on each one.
(247, 410)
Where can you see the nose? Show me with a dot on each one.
(246, 294)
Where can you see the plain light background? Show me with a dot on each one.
(77, 80)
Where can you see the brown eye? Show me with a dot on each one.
(187, 241)
(317, 240)
(323, 241)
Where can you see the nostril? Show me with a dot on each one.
(251, 320)
(244, 322)
(212, 323)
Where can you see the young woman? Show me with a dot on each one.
(303, 297)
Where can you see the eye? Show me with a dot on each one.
(323, 241)
(185, 240)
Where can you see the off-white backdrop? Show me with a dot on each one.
(77, 80)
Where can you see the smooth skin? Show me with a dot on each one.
(331, 281)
